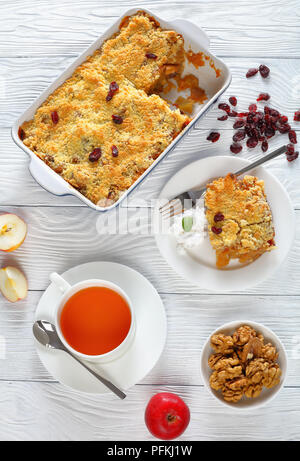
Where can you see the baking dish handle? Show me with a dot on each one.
(47, 178)
(193, 31)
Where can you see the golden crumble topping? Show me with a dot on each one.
(142, 52)
(101, 129)
(239, 219)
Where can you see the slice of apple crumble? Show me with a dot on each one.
(239, 219)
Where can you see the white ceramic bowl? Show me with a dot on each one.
(267, 394)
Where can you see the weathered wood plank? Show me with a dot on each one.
(191, 319)
(35, 411)
(67, 27)
(60, 238)
(17, 187)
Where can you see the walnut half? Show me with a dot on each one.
(243, 335)
(222, 343)
(234, 389)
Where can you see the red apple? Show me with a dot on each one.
(167, 416)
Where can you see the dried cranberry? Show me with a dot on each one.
(117, 119)
(293, 137)
(290, 148)
(266, 109)
(224, 106)
(293, 156)
(297, 116)
(274, 113)
(233, 113)
(55, 117)
(284, 128)
(213, 136)
(109, 95)
(151, 56)
(252, 142)
(95, 155)
(283, 119)
(238, 124)
(242, 114)
(273, 121)
(238, 136)
(269, 132)
(254, 133)
(113, 88)
(250, 117)
(252, 108)
(267, 118)
(263, 97)
(233, 100)
(218, 217)
(236, 148)
(259, 116)
(216, 230)
(251, 72)
(264, 71)
(115, 151)
(223, 117)
(248, 130)
(264, 146)
(21, 134)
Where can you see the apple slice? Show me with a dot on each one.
(13, 284)
(12, 231)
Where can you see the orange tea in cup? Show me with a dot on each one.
(95, 320)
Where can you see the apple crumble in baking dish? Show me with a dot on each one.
(104, 126)
(239, 219)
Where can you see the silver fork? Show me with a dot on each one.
(176, 205)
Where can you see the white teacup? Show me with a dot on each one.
(67, 291)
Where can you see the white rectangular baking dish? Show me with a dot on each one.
(194, 38)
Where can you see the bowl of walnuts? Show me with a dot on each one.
(243, 364)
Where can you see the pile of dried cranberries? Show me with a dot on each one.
(258, 126)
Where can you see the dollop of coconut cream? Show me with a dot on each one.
(190, 228)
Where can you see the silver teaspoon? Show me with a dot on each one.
(46, 334)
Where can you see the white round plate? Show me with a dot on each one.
(198, 266)
(148, 343)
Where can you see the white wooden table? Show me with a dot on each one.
(37, 41)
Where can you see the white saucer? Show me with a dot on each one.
(148, 343)
(198, 266)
